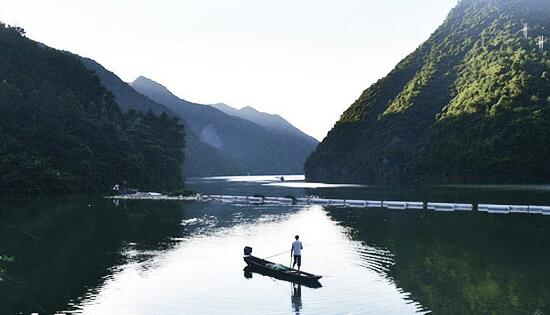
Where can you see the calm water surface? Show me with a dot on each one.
(88, 255)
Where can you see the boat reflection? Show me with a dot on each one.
(248, 273)
(295, 288)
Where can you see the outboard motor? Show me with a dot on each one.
(247, 250)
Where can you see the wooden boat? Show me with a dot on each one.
(279, 271)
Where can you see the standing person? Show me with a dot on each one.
(296, 250)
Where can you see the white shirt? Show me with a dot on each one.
(297, 248)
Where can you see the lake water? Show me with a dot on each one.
(89, 255)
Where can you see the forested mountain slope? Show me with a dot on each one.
(470, 105)
(200, 158)
(61, 131)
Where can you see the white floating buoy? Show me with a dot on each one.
(463, 207)
(356, 203)
(396, 205)
(441, 206)
(336, 202)
(228, 199)
(319, 201)
(270, 200)
(519, 209)
(285, 200)
(539, 210)
(493, 208)
(255, 200)
(415, 205)
(373, 204)
(402, 205)
(216, 197)
(241, 199)
(448, 207)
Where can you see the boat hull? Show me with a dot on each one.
(261, 266)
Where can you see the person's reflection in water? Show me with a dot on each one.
(296, 298)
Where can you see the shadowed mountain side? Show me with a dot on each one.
(124, 94)
(203, 160)
(258, 149)
(200, 158)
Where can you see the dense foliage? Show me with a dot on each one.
(4, 260)
(472, 104)
(61, 131)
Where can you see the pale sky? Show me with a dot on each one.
(306, 60)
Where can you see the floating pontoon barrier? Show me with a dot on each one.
(336, 202)
(214, 197)
(493, 208)
(228, 199)
(398, 205)
(319, 201)
(356, 203)
(285, 200)
(539, 210)
(519, 209)
(448, 207)
(270, 200)
(394, 205)
(255, 200)
(241, 199)
(535, 210)
(415, 205)
(373, 204)
(514, 209)
(402, 205)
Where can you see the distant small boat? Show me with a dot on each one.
(279, 271)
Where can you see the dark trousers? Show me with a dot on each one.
(297, 260)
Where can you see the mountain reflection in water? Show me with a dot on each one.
(92, 256)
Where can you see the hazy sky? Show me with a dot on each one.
(306, 60)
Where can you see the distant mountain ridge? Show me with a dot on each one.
(257, 149)
(270, 121)
(126, 96)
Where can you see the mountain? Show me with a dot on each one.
(124, 94)
(201, 159)
(258, 149)
(269, 121)
(61, 131)
(470, 105)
